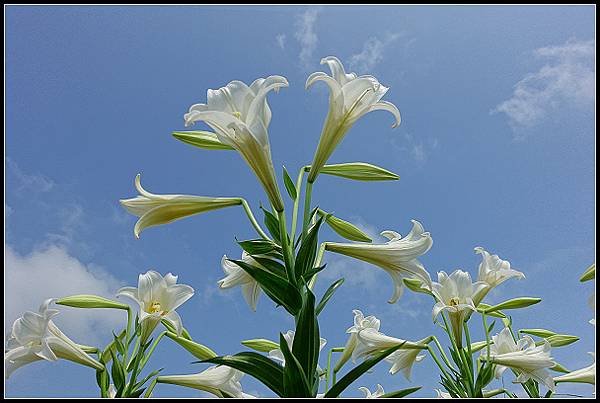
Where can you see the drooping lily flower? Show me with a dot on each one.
(493, 271)
(371, 341)
(398, 256)
(455, 294)
(239, 115)
(443, 395)
(360, 323)
(215, 380)
(582, 375)
(156, 209)
(368, 395)
(350, 97)
(277, 354)
(35, 337)
(158, 297)
(238, 276)
(527, 359)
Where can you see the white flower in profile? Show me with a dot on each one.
(582, 375)
(398, 256)
(35, 337)
(277, 354)
(236, 276)
(360, 323)
(158, 298)
(350, 97)
(493, 271)
(527, 359)
(215, 380)
(239, 115)
(443, 395)
(368, 395)
(154, 209)
(454, 294)
(370, 341)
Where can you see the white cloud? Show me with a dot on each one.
(51, 272)
(418, 149)
(306, 35)
(371, 54)
(280, 38)
(28, 182)
(566, 79)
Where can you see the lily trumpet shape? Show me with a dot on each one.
(368, 395)
(35, 337)
(528, 360)
(235, 276)
(583, 375)
(398, 256)
(455, 293)
(370, 341)
(493, 271)
(239, 115)
(156, 209)
(350, 97)
(360, 323)
(158, 297)
(215, 380)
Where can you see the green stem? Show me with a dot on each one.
(307, 199)
(253, 221)
(297, 203)
(444, 356)
(151, 350)
(494, 392)
(318, 259)
(437, 361)
(127, 330)
(285, 246)
(487, 336)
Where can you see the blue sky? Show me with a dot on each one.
(496, 149)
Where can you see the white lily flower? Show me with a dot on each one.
(493, 271)
(238, 276)
(277, 354)
(156, 209)
(35, 337)
(215, 380)
(368, 395)
(443, 395)
(582, 375)
(455, 294)
(350, 97)
(158, 297)
(112, 391)
(398, 256)
(239, 115)
(360, 323)
(370, 341)
(527, 359)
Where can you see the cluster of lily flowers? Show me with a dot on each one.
(239, 116)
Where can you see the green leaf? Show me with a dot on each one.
(589, 274)
(306, 339)
(201, 139)
(538, 332)
(279, 290)
(272, 224)
(272, 266)
(259, 246)
(106, 355)
(184, 333)
(515, 303)
(196, 349)
(359, 171)
(345, 229)
(295, 383)
(117, 372)
(401, 393)
(90, 301)
(328, 294)
(358, 371)
(262, 345)
(309, 274)
(289, 185)
(118, 344)
(256, 365)
(305, 258)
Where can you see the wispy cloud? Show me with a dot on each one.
(280, 38)
(419, 149)
(306, 35)
(566, 79)
(372, 53)
(51, 272)
(26, 182)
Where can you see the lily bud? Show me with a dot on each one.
(515, 303)
(202, 139)
(196, 349)
(262, 345)
(359, 171)
(90, 301)
(344, 228)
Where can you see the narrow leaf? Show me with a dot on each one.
(328, 294)
(295, 383)
(289, 185)
(306, 339)
(589, 274)
(401, 393)
(272, 224)
(305, 258)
